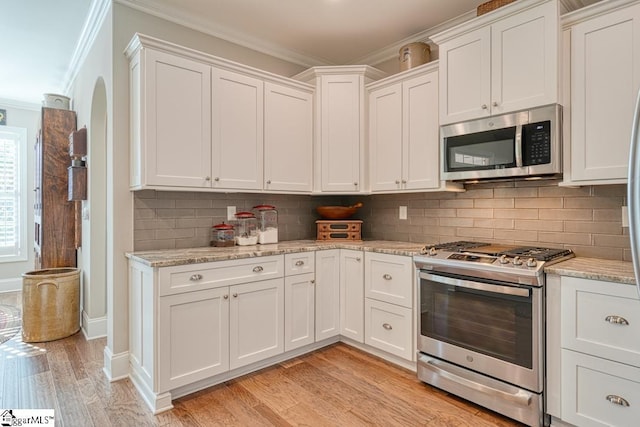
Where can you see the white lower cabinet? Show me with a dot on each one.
(299, 310)
(352, 294)
(389, 290)
(194, 337)
(327, 294)
(256, 326)
(388, 327)
(593, 363)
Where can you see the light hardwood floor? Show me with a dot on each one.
(334, 386)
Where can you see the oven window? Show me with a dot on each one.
(482, 150)
(493, 324)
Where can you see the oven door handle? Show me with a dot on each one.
(484, 287)
(520, 397)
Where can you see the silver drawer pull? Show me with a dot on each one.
(299, 263)
(257, 269)
(195, 277)
(617, 400)
(387, 277)
(616, 320)
(387, 326)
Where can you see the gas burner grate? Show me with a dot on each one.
(459, 246)
(540, 254)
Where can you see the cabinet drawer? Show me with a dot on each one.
(601, 318)
(593, 389)
(192, 277)
(388, 327)
(388, 278)
(299, 263)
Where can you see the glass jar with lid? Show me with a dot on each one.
(222, 235)
(267, 216)
(246, 226)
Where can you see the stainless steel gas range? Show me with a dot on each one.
(481, 324)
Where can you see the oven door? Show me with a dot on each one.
(489, 327)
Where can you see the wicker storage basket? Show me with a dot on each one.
(492, 5)
(50, 304)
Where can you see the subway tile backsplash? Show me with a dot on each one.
(586, 219)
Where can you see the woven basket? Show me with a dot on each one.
(492, 5)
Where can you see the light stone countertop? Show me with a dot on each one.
(587, 268)
(170, 257)
(596, 269)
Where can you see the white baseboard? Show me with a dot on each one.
(11, 285)
(93, 328)
(116, 366)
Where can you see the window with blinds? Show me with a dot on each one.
(13, 203)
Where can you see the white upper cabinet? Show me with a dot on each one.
(199, 122)
(604, 81)
(340, 153)
(237, 130)
(288, 138)
(403, 132)
(170, 126)
(503, 61)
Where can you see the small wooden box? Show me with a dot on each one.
(337, 230)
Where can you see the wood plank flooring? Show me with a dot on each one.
(334, 386)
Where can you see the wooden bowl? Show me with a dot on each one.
(338, 212)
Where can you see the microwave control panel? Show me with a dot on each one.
(536, 143)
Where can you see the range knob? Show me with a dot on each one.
(517, 260)
(531, 262)
(503, 259)
(433, 251)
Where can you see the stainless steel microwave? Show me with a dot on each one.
(521, 144)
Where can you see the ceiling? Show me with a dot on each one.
(43, 38)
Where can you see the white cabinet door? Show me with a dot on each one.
(508, 65)
(299, 310)
(327, 294)
(524, 59)
(340, 132)
(256, 321)
(173, 146)
(237, 131)
(385, 137)
(421, 131)
(605, 78)
(465, 70)
(288, 138)
(193, 337)
(352, 294)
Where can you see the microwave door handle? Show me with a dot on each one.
(518, 143)
(484, 287)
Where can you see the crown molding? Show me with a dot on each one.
(95, 18)
(593, 10)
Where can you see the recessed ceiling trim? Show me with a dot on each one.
(224, 33)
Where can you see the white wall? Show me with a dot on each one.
(24, 116)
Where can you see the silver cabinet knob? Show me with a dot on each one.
(268, 181)
(207, 178)
(216, 179)
(195, 277)
(386, 277)
(358, 259)
(313, 282)
(495, 104)
(484, 106)
(355, 183)
(257, 269)
(397, 181)
(225, 296)
(235, 295)
(404, 181)
(617, 320)
(387, 326)
(299, 263)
